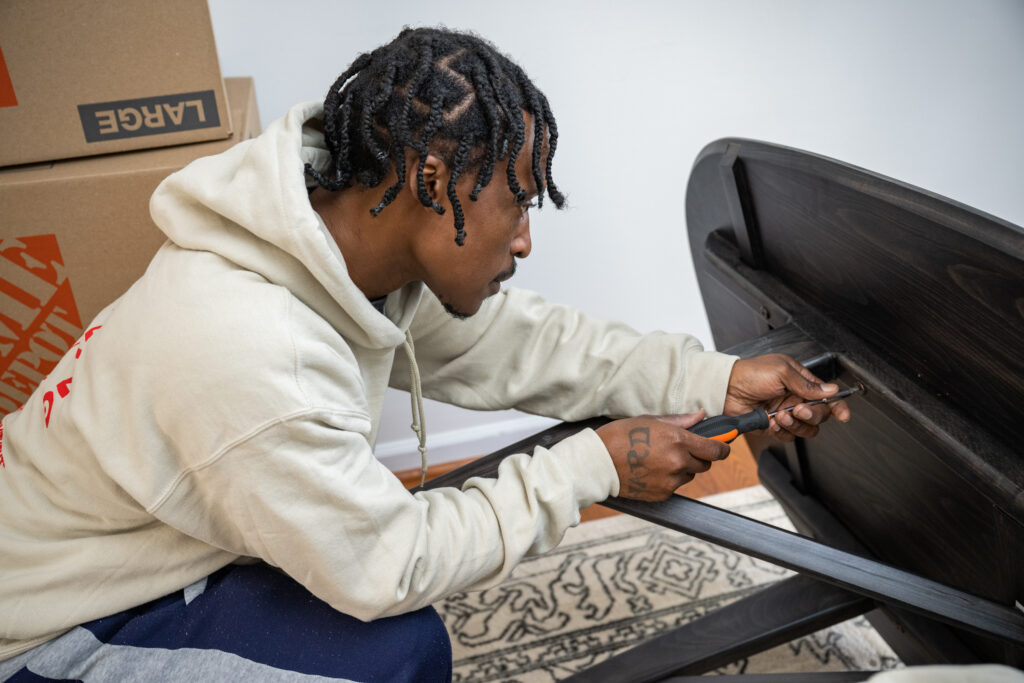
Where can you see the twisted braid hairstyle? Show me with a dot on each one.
(435, 91)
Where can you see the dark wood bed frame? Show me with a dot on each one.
(913, 512)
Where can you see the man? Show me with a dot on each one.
(224, 410)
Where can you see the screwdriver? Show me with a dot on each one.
(725, 428)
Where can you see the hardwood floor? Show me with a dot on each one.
(737, 471)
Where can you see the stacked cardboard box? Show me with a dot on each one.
(75, 233)
(86, 78)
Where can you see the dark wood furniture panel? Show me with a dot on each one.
(917, 296)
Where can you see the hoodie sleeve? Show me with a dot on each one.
(522, 352)
(307, 495)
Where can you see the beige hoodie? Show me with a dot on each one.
(226, 407)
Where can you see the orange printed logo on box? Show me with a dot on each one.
(7, 96)
(39, 320)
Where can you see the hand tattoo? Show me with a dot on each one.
(640, 449)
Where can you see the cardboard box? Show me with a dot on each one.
(86, 77)
(74, 235)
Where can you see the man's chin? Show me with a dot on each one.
(455, 313)
(461, 312)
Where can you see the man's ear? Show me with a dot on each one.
(435, 178)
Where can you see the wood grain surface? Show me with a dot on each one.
(921, 298)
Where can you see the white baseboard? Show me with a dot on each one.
(458, 444)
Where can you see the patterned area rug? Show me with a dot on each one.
(615, 582)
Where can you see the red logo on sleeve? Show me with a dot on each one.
(64, 386)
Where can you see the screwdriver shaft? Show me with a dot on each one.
(840, 395)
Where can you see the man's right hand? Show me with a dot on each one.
(655, 455)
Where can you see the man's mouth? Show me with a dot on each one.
(506, 274)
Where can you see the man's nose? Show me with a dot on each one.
(521, 243)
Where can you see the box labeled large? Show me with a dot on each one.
(79, 78)
(74, 236)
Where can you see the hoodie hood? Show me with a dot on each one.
(251, 206)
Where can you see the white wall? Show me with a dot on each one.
(926, 91)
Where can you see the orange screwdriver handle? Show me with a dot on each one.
(725, 428)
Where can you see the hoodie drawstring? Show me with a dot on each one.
(419, 425)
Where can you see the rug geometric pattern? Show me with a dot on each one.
(615, 582)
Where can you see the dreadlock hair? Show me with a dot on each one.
(440, 91)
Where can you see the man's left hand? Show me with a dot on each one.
(776, 381)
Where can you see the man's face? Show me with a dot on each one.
(497, 232)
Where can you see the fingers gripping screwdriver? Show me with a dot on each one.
(725, 428)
